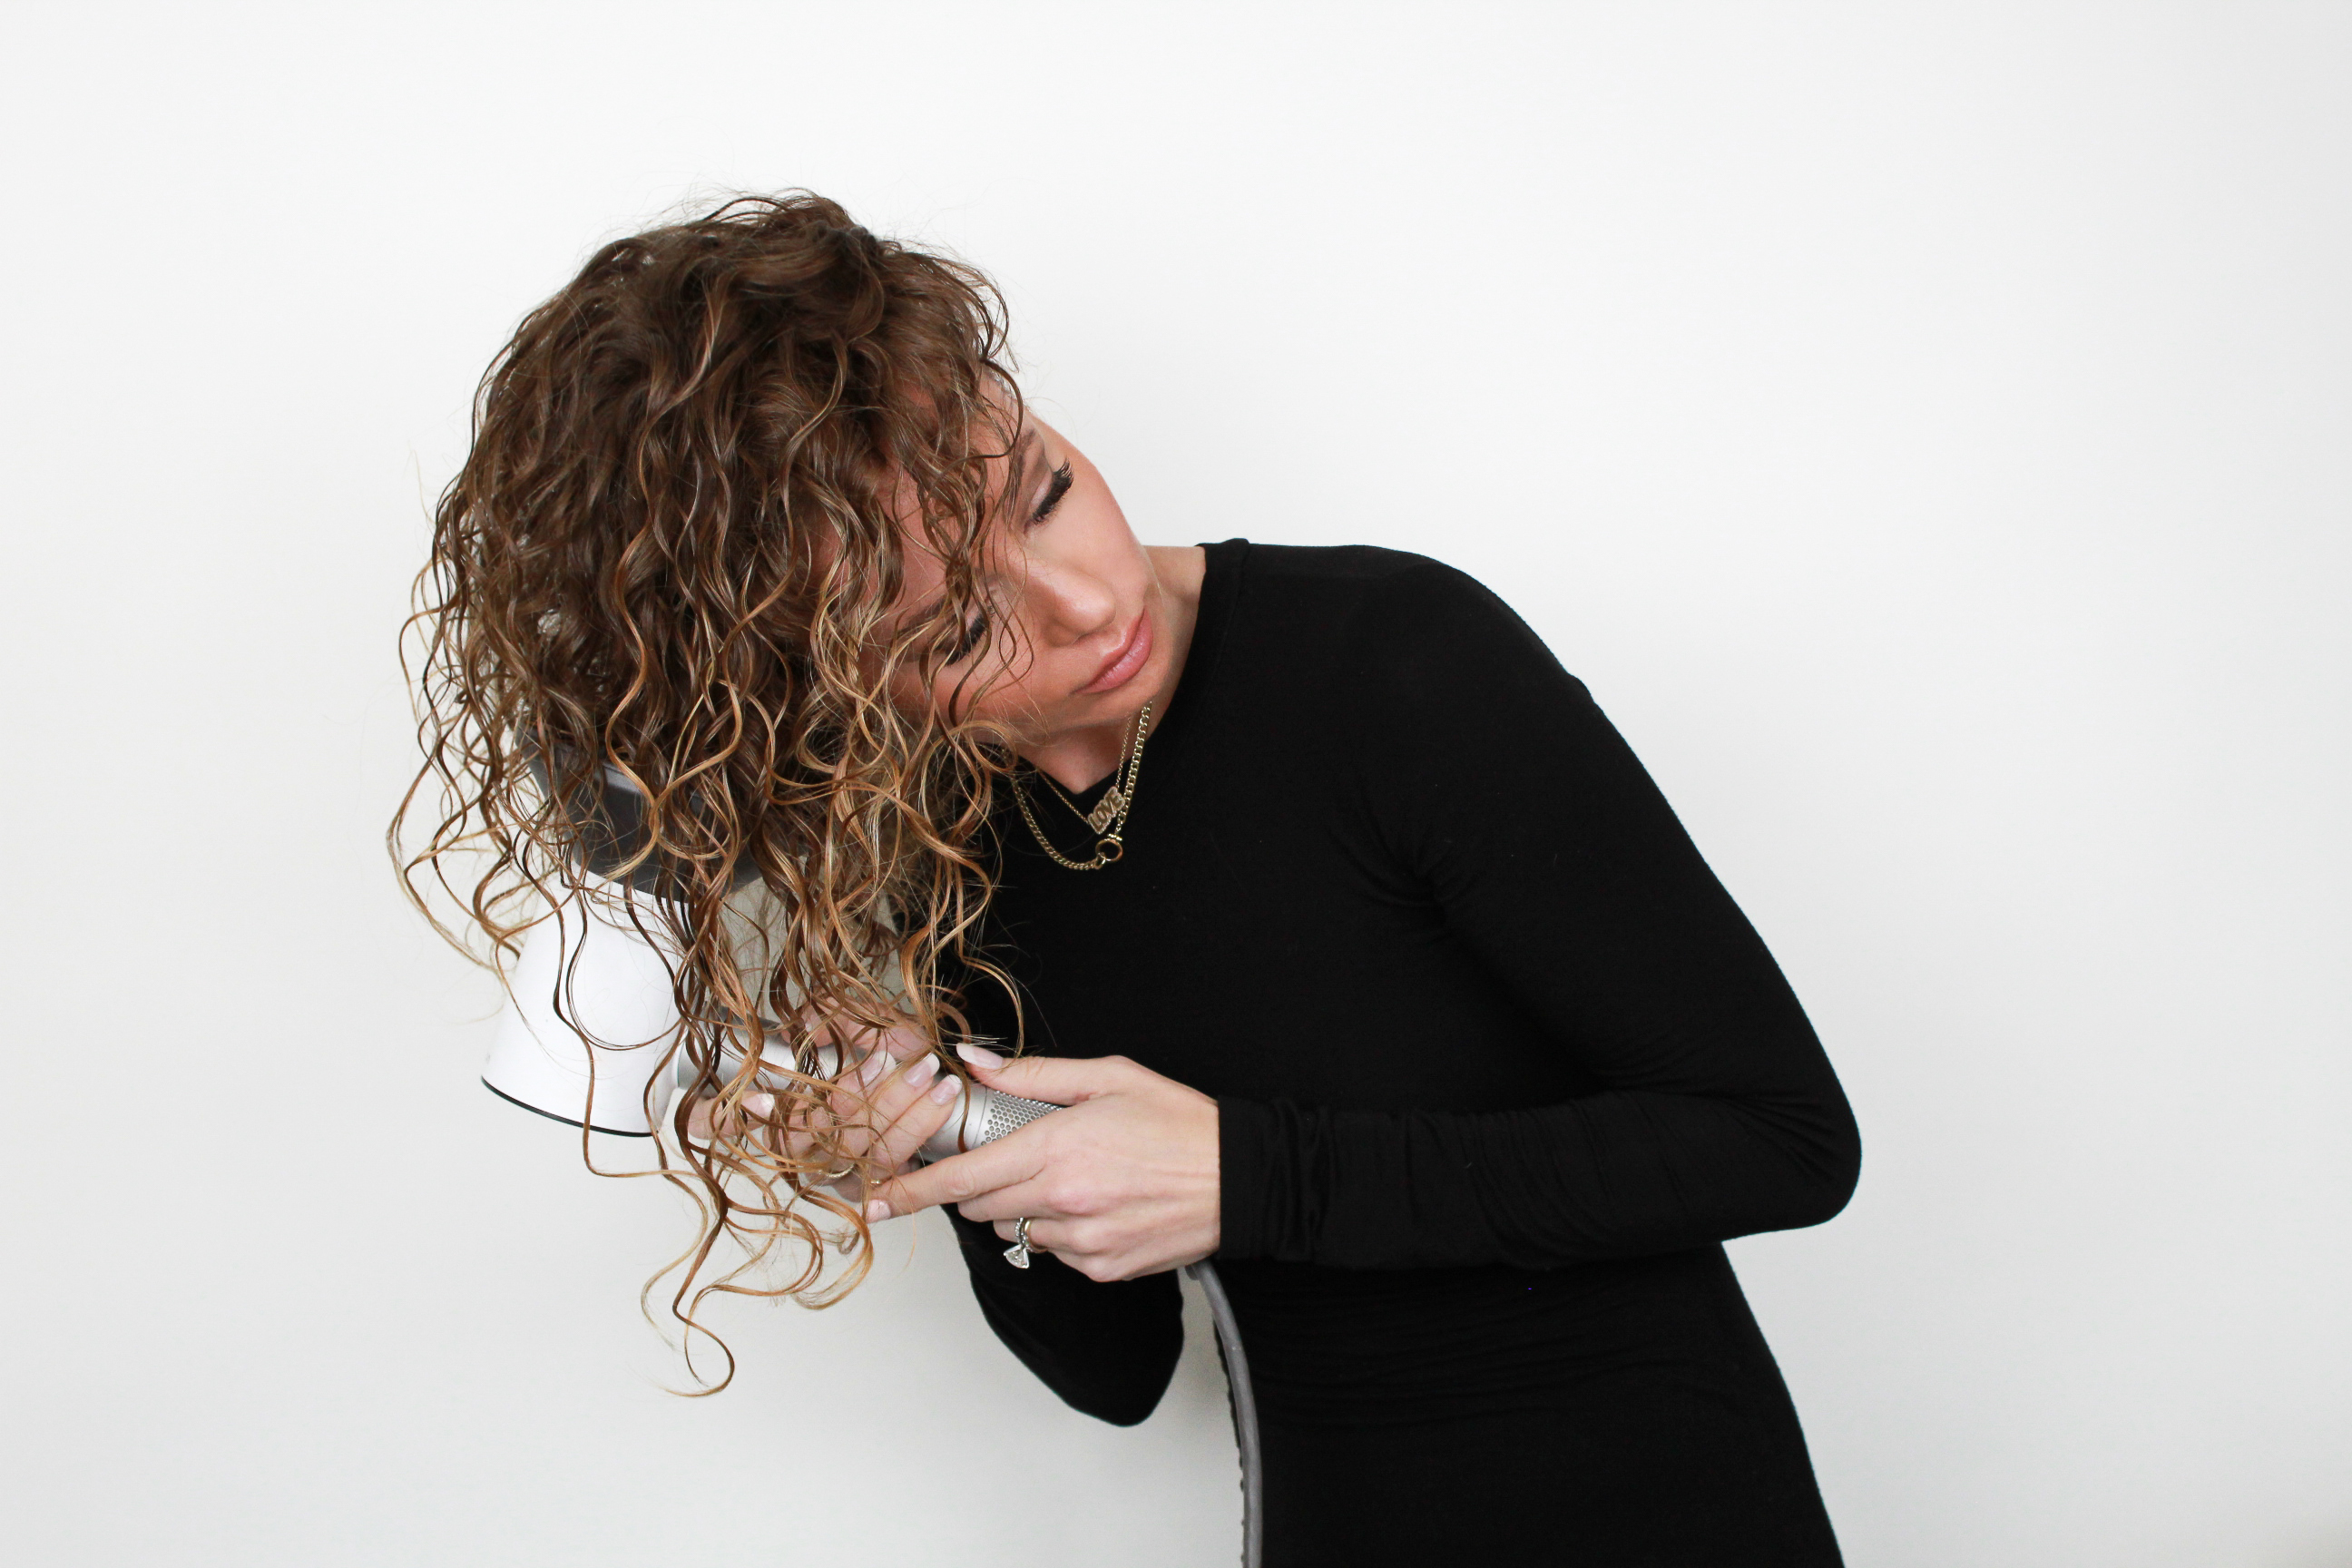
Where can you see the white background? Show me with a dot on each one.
(1923, 427)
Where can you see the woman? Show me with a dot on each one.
(1366, 957)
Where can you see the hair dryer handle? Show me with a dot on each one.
(981, 1116)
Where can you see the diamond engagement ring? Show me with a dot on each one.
(1017, 1254)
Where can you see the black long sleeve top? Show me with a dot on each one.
(1478, 1019)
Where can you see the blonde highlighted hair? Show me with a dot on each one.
(674, 550)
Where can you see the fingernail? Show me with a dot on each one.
(947, 1088)
(759, 1104)
(870, 1071)
(920, 1073)
(876, 1211)
(980, 1057)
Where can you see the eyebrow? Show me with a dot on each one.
(1024, 449)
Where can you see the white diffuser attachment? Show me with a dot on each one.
(616, 984)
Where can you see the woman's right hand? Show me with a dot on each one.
(881, 1112)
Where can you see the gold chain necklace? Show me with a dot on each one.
(1109, 816)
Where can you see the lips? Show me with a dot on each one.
(1126, 660)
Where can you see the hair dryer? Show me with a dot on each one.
(605, 954)
(603, 1067)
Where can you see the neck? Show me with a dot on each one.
(1077, 759)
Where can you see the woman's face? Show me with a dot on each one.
(1078, 635)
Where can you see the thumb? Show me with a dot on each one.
(1057, 1081)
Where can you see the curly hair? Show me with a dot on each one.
(670, 553)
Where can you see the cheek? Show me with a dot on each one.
(1026, 686)
(1101, 516)
(1006, 696)
(906, 693)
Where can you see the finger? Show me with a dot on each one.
(1044, 1235)
(919, 1106)
(1020, 1200)
(880, 1117)
(705, 1119)
(1057, 1080)
(846, 1124)
(960, 1178)
(879, 1112)
(910, 1113)
(903, 1041)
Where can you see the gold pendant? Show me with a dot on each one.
(1106, 810)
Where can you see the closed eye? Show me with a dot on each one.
(974, 635)
(1055, 489)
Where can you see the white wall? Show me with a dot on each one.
(1924, 426)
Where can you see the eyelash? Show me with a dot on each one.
(1055, 491)
(973, 636)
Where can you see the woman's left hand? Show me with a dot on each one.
(1124, 1183)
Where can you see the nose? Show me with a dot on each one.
(1069, 604)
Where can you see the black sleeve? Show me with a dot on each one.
(1107, 1350)
(1500, 790)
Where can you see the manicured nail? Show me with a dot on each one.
(759, 1104)
(920, 1073)
(876, 1211)
(870, 1071)
(947, 1088)
(980, 1057)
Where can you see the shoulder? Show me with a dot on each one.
(1396, 652)
(1347, 570)
(1393, 595)
(1414, 628)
